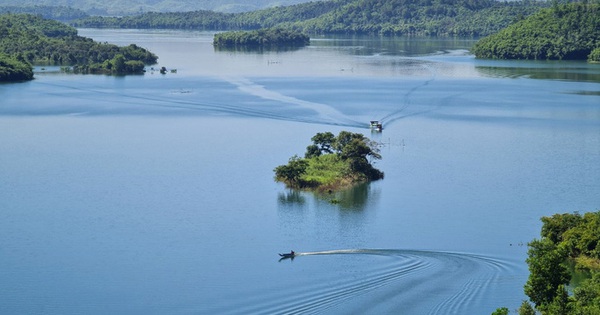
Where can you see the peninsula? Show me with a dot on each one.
(568, 31)
(332, 163)
(27, 39)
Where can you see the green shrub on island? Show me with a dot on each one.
(564, 31)
(36, 40)
(332, 163)
(261, 38)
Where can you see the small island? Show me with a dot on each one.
(332, 163)
(27, 39)
(269, 37)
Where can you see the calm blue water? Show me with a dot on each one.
(154, 194)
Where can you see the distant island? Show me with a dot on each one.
(332, 163)
(569, 244)
(563, 32)
(30, 39)
(261, 38)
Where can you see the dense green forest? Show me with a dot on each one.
(12, 69)
(210, 20)
(59, 13)
(128, 7)
(332, 163)
(261, 38)
(564, 31)
(36, 40)
(391, 17)
(569, 243)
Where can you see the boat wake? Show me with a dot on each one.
(394, 281)
(325, 113)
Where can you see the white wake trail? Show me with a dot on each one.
(326, 113)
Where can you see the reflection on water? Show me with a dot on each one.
(362, 45)
(257, 49)
(581, 74)
(291, 197)
(353, 199)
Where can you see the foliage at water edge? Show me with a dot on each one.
(568, 242)
(14, 70)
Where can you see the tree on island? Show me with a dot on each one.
(332, 163)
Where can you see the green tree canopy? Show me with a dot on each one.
(332, 161)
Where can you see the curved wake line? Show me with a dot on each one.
(452, 282)
(325, 112)
(398, 114)
(332, 118)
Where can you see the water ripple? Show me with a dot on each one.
(453, 281)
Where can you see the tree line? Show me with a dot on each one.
(32, 39)
(564, 31)
(129, 7)
(390, 17)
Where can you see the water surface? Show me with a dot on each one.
(155, 193)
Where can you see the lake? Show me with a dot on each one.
(154, 194)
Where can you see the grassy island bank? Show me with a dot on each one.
(332, 163)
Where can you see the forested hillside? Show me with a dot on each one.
(391, 17)
(35, 40)
(565, 31)
(127, 7)
(421, 17)
(210, 20)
